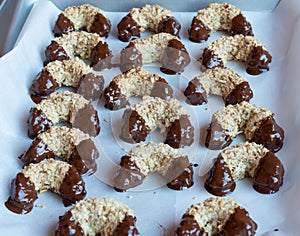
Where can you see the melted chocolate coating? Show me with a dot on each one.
(220, 181)
(161, 89)
(67, 226)
(269, 134)
(101, 25)
(180, 133)
(91, 86)
(128, 29)
(22, 196)
(128, 176)
(169, 25)
(37, 152)
(37, 122)
(195, 93)
(241, 26)
(189, 227)
(114, 99)
(241, 92)
(63, 25)
(130, 58)
(198, 31)
(134, 129)
(258, 61)
(126, 227)
(72, 188)
(268, 177)
(239, 224)
(87, 120)
(101, 57)
(175, 58)
(210, 59)
(216, 138)
(55, 52)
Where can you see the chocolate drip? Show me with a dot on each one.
(216, 137)
(37, 152)
(101, 57)
(198, 32)
(114, 99)
(126, 227)
(189, 227)
(210, 59)
(101, 25)
(220, 181)
(84, 156)
(268, 176)
(63, 25)
(87, 120)
(161, 89)
(38, 123)
(55, 52)
(258, 61)
(175, 58)
(239, 224)
(128, 176)
(169, 25)
(67, 226)
(22, 196)
(130, 58)
(241, 26)
(72, 188)
(195, 93)
(180, 133)
(42, 86)
(91, 86)
(134, 129)
(128, 29)
(269, 134)
(241, 92)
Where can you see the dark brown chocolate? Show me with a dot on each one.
(128, 176)
(269, 134)
(63, 25)
(195, 93)
(91, 86)
(169, 25)
(114, 99)
(175, 58)
(101, 25)
(189, 227)
(37, 122)
(240, 25)
(22, 196)
(126, 227)
(180, 133)
(101, 57)
(67, 226)
(239, 224)
(198, 31)
(55, 52)
(241, 92)
(161, 89)
(268, 177)
(130, 58)
(216, 137)
(210, 59)
(128, 29)
(258, 61)
(220, 181)
(134, 129)
(87, 120)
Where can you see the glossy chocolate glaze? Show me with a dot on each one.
(241, 26)
(175, 58)
(128, 29)
(268, 177)
(87, 120)
(42, 86)
(72, 188)
(55, 52)
(101, 25)
(198, 31)
(133, 129)
(114, 99)
(63, 25)
(195, 93)
(126, 227)
(91, 86)
(220, 181)
(180, 133)
(128, 176)
(130, 58)
(37, 152)
(67, 226)
(189, 227)
(161, 89)
(210, 59)
(269, 134)
(169, 25)
(216, 137)
(239, 224)
(22, 196)
(258, 61)
(241, 92)
(84, 156)
(37, 123)
(101, 57)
